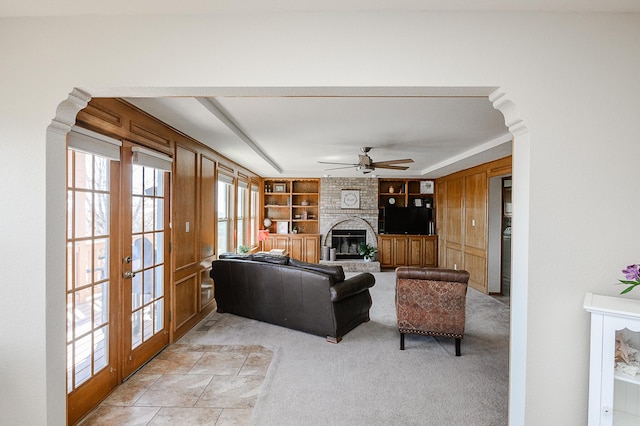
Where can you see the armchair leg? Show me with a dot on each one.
(458, 346)
(402, 341)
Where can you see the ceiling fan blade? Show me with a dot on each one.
(389, 162)
(345, 167)
(377, 166)
(341, 164)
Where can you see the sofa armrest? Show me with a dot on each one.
(351, 286)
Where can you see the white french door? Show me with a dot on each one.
(117, 270)
(92, 280)
(145, 228)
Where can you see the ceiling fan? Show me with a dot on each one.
(367, 165)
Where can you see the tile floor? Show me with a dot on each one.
(189, 385)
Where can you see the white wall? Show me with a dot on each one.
(572, 77)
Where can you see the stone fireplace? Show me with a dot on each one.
(335, 219)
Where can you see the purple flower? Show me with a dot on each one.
(632, 272)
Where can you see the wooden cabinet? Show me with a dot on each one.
(407, 250)
(304, 247)
(614, 386)
(292, 206)
(292, 203)
(402, 193)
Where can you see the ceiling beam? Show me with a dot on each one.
(218, 110)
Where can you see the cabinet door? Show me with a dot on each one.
(401, 247)
(310, 249)
(415, 250)
(430, 252)
(386, 251)
(295, 248)
(277, 242)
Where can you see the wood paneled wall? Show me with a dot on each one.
(194, 183)
(462, 207)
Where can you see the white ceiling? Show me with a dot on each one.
(127, 7)
(288, 135)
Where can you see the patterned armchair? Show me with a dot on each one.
(431, 302)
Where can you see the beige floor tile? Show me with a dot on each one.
(231, 392)
(186, 347)
(179, 362)
(235, 416)
(256, 364)
(221, 388)
(130, 391)
(175, 390)
(219, 363)
(121, 416)
(186, 416)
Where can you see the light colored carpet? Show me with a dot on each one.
(367, 380)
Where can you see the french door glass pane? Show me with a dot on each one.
(101, 175)
(101, 214)
(147, 230)
(136, 214)
(159, 183)
(82, 225)
(88, 245)
(100, 351)
(159, 214)
(159, 315)
(159, 280)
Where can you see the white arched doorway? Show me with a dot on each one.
(55, 263)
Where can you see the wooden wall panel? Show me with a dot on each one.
(184, 226)
(477, 268)
(475, 210)
(193, 200)
(441, 228)
(186, 294)
(454, 211)
(453, 257)
(207, 223)
(462, 217)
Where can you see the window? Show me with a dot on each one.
(225, 214)
(255, 199)
(243, 213)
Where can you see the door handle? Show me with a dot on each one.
(129, 274)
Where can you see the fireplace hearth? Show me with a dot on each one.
(347, 242)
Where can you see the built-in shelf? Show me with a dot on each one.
(292, 205)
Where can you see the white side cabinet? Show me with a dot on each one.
(614, 374)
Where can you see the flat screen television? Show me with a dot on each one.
(406, 220)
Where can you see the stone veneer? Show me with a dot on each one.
(332, 216)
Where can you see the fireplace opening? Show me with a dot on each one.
(347, 242)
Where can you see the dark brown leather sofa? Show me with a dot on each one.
(302, 296)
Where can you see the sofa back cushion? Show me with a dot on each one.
(270, 258)
(334, 271)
